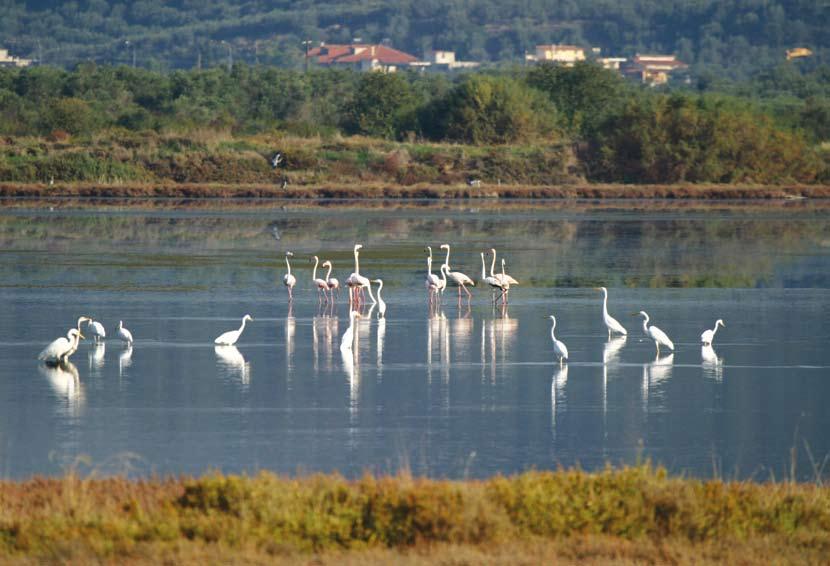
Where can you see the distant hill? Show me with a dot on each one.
(726, 37)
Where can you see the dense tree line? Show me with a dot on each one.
(623, 132)
(718, 37)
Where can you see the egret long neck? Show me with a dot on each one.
(241, 328)
(553, 329)
(288, 265)
(645, 324)
(605, 303)
(371, 296)
(715, 330)
(380, 288)
(314, 273)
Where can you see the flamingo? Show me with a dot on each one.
(505, 283)
(655, 333)
(331, 281)
(610, 322)
(491, 281)
(322, 284)
(461, 281)
(356, 282)
(433, 282)
(500, 276)
(288, 279)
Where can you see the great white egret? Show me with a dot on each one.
(381, 302)
(230, 337)
(288, 279)
(559, 347)
(611, 323)
(124, 334)
(74, 347)
(59, 350)
(96, 330)
(356, 282)
(709, 335)
(659, 337)
(461, 280)
(321, 284)
(348, 336)
(333, 283)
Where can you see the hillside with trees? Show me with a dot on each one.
(720, 38)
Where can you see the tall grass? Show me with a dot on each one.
(117, 518)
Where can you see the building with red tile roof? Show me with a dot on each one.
(362, 57)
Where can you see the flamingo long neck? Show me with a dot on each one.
(371, 296)
(356, 262)
(502, 269)
(493, 264)
(429, 264)
(314, 273)
(288, 265)
(328, 273)
(483, 268)
(444, 273)
(447, 261)
(380, 288)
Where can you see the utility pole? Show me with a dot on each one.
(307, 44)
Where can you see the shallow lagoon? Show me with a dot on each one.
(461, 392)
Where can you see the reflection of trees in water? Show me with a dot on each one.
(717, 247)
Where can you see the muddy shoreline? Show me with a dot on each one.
(438, 192)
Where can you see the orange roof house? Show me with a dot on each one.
(362, 57)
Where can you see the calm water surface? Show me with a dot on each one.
(464, 391)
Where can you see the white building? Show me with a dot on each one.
(7, 60)
(566, 55)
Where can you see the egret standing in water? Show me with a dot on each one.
(381, 302)
(709, 335)
(288, 279)
(559, 347)
(655, 333)
(230, 337)
(59, 350)
(96, 330)
(348, 336)
(610, 322)
(125, 335)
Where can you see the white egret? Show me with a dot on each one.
(124, 334)
(96, 330)
(356, 282)
(559, 347)
(348, 336)
(461, 280)
(709, 335)
(333, 283)
(611, 323)
(655, 333)
(75, 345)
(288, 279)
(230, 337)
(321, 284)
(59, 350)
(381, 302)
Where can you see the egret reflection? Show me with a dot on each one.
(712, 364)
(381, 338)
(125, 359)
(95, 356)
(655, 372)
(231, 360)
(66, 385)
(557, 392)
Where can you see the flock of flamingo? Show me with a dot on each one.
(59, 351)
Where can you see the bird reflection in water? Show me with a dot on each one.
(462, 330)
(231, 360)
(381, 338)
(96, 357)
(712, 364)
(66, 384)
(290, 327)
(125, 359)
(610, 357)
(655, 372)
(557, 393)
(502, 330)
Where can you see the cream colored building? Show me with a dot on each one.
(566, 55)
(7, 60)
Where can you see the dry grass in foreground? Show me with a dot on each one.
(633, 515)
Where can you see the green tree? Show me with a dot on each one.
(379, 106)
(490, 110)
